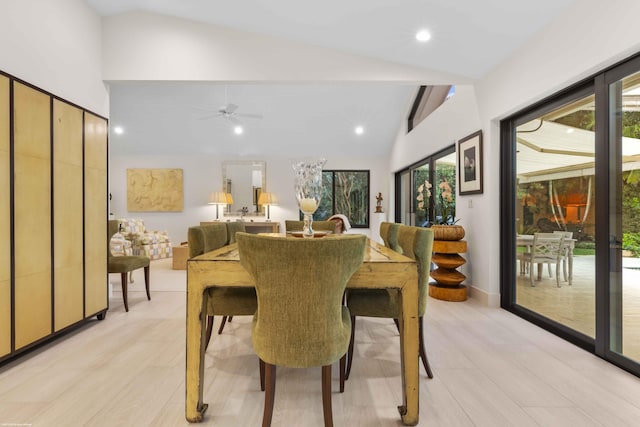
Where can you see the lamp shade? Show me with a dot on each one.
(218, 198)
(267, 199)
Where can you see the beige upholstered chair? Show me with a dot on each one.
(291, 225)
(416, 243)
(389, 235)
(220, 301)
(301, 321)
(125, 264)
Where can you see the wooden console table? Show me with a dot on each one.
(447, 285)
(255, 227)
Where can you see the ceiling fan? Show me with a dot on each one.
(228, 111)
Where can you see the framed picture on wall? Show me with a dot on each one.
(470, 164)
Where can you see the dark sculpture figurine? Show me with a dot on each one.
(379, 203)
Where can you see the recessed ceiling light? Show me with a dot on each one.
(118, 130)
(238, 130)
(359, 130)
(570, 130)
(423, 36)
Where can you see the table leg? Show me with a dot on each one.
(196, 300)
(409, 353)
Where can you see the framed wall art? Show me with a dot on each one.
(155, 190)
(470, 164)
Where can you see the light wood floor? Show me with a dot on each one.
(491, 369)
(574, 306)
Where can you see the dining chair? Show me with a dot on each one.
(389, 235)
(416, 243)
(240, 301)
(567, 246)
(125, 264)
(300, 322)
(547, 248)
(294, 225)
(232, 228)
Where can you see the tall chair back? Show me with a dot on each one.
(417, 244)
(292, 225)
(389, 235)
(205, 238)
(301, 321)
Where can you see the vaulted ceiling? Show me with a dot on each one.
(468, 38)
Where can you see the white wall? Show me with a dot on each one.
(203, 174)
(55, 45)
(590, 36)
(453, 120)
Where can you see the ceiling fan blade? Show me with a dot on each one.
(250, 116)
(208, 116)
(232, 119)
(230, 108)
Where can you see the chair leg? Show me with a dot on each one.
(224, 320)
(557, 274)
(261, 374)
(146, 282)
(123, 278)
(350, 351)
(269, 396)
(531, 268)
(423, 353)
(343, 363)
(131, 276)
(208, 332)
(326, 396)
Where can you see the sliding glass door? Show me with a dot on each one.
(570, 224)
(624, 216)
(555, 153)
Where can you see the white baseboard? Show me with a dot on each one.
(484, 298)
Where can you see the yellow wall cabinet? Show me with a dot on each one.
(53, 216)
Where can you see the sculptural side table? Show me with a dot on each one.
(447, 285)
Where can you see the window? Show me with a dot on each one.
(426, 190)
(345, 192)
(427, 100)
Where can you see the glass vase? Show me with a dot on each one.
(308, 188)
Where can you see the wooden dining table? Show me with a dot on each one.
(382, 268)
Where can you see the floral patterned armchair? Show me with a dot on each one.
(152, 244)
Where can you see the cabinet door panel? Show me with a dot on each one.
(5, 222)
(32, 214)
(95, 198)
(67, 215)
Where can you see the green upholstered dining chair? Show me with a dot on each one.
(232, 229)
(292, 225)
(220, 301)
(416, 243)
(125, 264)
(301, 321)
(389, 235)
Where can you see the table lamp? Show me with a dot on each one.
(267, 199)
(217, 198)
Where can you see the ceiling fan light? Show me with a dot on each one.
(238, 130)
(359, 130)
(423, 36)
